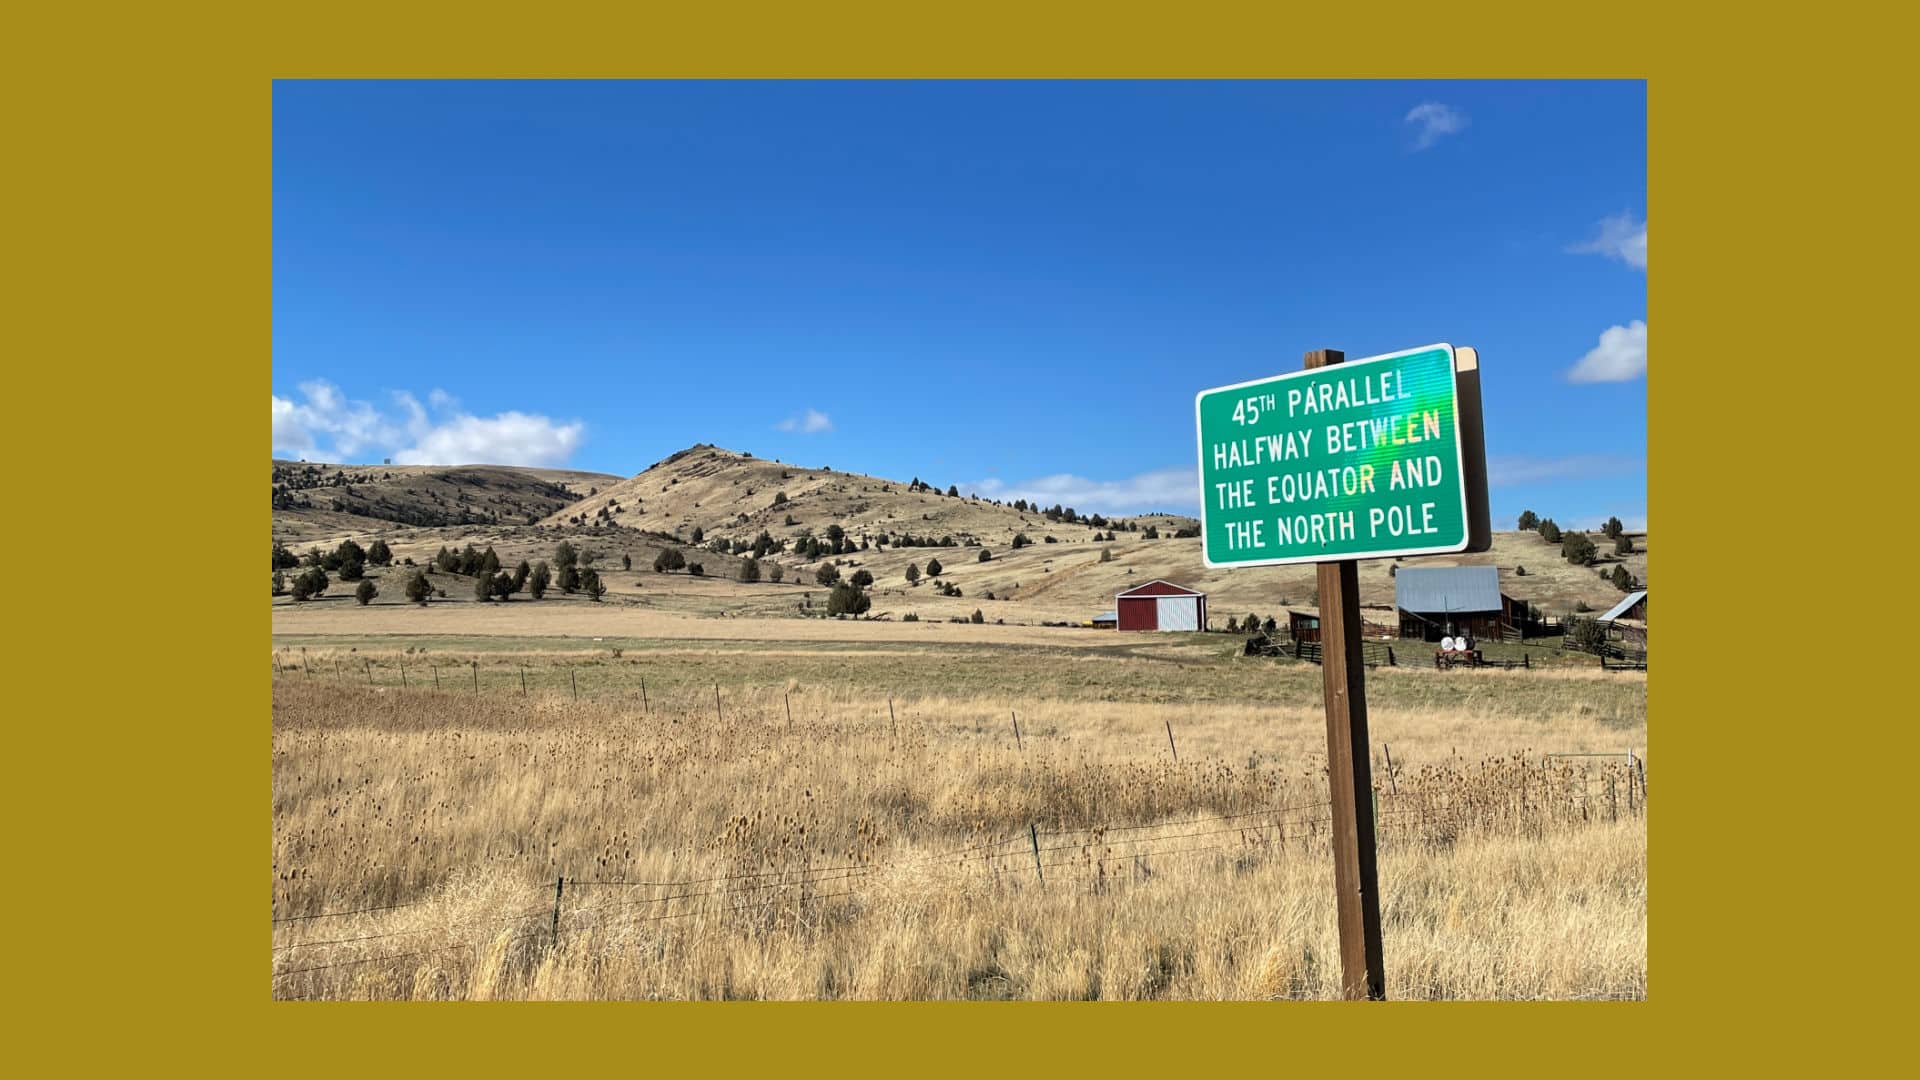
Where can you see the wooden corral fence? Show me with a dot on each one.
(1446, 661)
(1374, 653)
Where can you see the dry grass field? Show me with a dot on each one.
(867, 849)
(747, 803)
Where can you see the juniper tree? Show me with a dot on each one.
(934, 568)
(750, 571)
(365, 593)
(538, 580)
(419, 589)
(569, 578)
(1529, 521)
(861, 579)
(590, 582)
(913, 574)
(565, 556)
(379, 554)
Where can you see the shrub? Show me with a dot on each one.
(1582, 606)
(847, 600)
(668, 559)
(626, 561)
(776, 573)
(791, 520)
(1549, 531)
(419, 589)
(1587, 634)
(976, 618)
(1623, 544)
(538, 580)
(310, 583)
(696, 569)
(1233, 625)
(913, 574)
(1613, 528)
(699, 534)
(934, 568)
(1578, 549)
(1519, 571)
(282, 558)
(1020, 540)
(365, 593)
(1621, 579)
(909, 617)
(1152, 532)
(985, 555)
(1106, 554)
(353, 570)
(827, 574)
(780, 498)
(1269, 626)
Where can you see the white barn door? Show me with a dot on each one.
(1179, 613)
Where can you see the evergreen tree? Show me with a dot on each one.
(279, 583)
(379, 554)
(861, 579)
(953, 491)
(482, 587)
(626, 561)
(1578, 549)
(565, 557)
(776, 573)
(365, 593)
(827, 574)
(1621, 579)
(520, 575)
(1612, 529)
(1233, 625)
(934, 568)
(696, 570)
(446, 562)
(590, 583)
(1549, 531)
(699, 534)
(503, 586)
(1106, 554)
(353, 570)
(1020, 540)
(570, 578)
(985, 555)
(977, 618)
(419, 589)
(847, 600)
(538, 580)
(750, 570)
(913, 574)
(1623, 544)
(282, 558)
(1529, 521)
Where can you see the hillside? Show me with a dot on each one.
(313, 501)
(723, 492)
(733, 496)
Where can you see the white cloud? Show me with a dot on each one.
(1618, 237)
(1517, 471)
(1161, 490)
(1434, 122)
(811, 422)
(1620, 356)
(509, 438)
(327, 426)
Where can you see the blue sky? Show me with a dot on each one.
(1012, 287)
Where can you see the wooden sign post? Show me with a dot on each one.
(1383, 458)
(1356, 880)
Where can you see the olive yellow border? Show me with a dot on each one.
(140, 140)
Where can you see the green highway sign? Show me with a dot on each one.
(1358, 460)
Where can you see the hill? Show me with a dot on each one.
(313, 501)
(724, 492)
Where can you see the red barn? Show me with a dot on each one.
(1161, 605)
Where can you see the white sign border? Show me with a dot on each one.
(1459, 447)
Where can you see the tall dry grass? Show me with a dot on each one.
(861, 855)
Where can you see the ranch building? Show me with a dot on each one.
(1439, 601)
(1627, 620)
(1161, 605)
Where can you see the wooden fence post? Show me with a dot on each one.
(404, 684)
(1391, 779)
(436, 675)
(1016, 733)
(787, 696)
(1033, 833)
(645, 709)
(476, 676)
(559, 885)
(523, 680)
(893, 726)
(1170, 746)
(574, 679)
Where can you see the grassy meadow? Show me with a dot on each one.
(801, 819)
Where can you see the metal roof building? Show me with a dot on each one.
(1442, 589)
(1161, 605)
(1620, 610)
